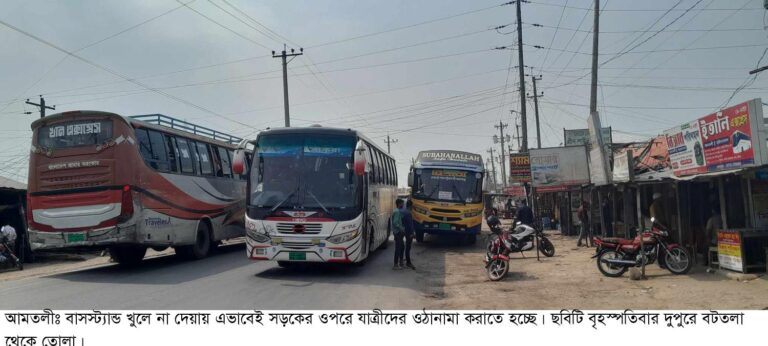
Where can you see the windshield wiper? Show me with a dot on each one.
(318, 202)
(434, 190)
(286, 198)
(455, 189)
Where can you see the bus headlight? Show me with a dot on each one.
(345, 237)
(261, 238)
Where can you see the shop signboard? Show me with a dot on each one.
(519, 168)
(515, 191)
(557, 169)
(729, 253)
(731, 138)
(576, 137)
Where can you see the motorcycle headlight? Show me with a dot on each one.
(344, 237)
(259, 237)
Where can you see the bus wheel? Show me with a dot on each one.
(202, 245)
(420, 236)
(127, 255)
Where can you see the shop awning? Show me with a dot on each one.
(707, 175)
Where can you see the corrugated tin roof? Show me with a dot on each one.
(11, 184)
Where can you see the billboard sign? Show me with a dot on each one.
(581, 136)
(728, 139)
(623, 167)
(519, 168)
(729, 250)
(558, 169)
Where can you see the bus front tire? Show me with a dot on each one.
(202, 245)
(420, 236)
(127, 255)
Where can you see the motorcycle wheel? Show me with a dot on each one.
(610, 270)
(677, 260)
(546, 247)
(498, 269)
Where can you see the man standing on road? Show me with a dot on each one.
(398, 231)
(524, 214)
(408, 225)
(586, 232)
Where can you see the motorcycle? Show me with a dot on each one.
(502, 243)
(8, 258)
(616, 255)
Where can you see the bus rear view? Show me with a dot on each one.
(446, 190)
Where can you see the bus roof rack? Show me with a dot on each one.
(177, 124)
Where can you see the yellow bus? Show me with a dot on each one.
(447, 194)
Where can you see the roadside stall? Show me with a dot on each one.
(718, 163)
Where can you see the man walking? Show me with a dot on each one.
(408, 225)
(585, 232)
(398, 231)
(524, 214)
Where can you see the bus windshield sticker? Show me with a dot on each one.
(445, 195)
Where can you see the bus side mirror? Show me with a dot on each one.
(410, 179)
(360, 158)
(238, 162)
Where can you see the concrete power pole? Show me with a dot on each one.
(501, 140)
(389, 142)
(285, 56)
(536, 107)
(42, 106)
(493, 168)
(524, 120)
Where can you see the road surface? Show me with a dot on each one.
(226, 280)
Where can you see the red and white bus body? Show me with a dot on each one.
(95, 181)
(318, 195)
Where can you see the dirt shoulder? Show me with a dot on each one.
(456, 279)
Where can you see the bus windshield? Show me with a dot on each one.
(74, 133)
(303, 171)
(448, 185)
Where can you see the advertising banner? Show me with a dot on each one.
(515, 191)
(450, 158)
(623, 167)
(557, 169)
(728, 139)
(519, 168)
(577, 137)
(729, 250)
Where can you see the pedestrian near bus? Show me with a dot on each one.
(586, 231)
(398, 231)
(409, 230)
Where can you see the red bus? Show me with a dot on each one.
(101, 180)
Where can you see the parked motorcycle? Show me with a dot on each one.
(8, 258)
(616, 255)
(502, 243)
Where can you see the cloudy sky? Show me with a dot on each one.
(425, 72)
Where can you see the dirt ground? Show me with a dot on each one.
(456, 279)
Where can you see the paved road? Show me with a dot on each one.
(227, 280)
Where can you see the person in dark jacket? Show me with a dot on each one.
(409, 230)
(524, 214)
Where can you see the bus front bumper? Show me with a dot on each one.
(96, 237)
(318, 251)
(435, 228)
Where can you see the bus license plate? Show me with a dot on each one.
(297, 256)
(75, 237)
(445, 226)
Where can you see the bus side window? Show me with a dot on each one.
(372, 163)
(159, 151)
(145, 148)
(173, 153)
(185, 156)
(206, 166)
(394, 164)
(226, 162)
(217, 170)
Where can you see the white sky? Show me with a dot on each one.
(438, 85)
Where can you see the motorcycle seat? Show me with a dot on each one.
(619, 241)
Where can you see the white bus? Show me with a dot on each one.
(317, 195)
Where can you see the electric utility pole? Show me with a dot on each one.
(389, 142)
(536, 107)
(501, 140)
(517, 131)
(524, 120)
(42, 106)
(285, 56)
(595, 34)
(493, 168)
